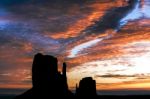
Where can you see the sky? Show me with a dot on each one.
(108, 40)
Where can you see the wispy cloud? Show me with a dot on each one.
(115, 76)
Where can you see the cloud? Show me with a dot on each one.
(115, 76)
(12, 2)
(31, 28)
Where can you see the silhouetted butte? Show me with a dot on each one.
(46, 79)
(87, 87)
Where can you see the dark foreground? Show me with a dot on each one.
(7, 96)
(98, 97)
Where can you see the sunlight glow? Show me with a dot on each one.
(142, 64)
(135, 65)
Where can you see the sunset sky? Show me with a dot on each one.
(108, 40)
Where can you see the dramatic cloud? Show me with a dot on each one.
(98, 38)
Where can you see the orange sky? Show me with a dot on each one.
(116, 60)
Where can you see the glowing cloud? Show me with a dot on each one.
(82, 46)
(134, 14)
(140, 11)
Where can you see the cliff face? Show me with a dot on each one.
(87, 87)
(46, 80)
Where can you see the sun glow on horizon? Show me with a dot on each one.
(127, 68)
(116, 57)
